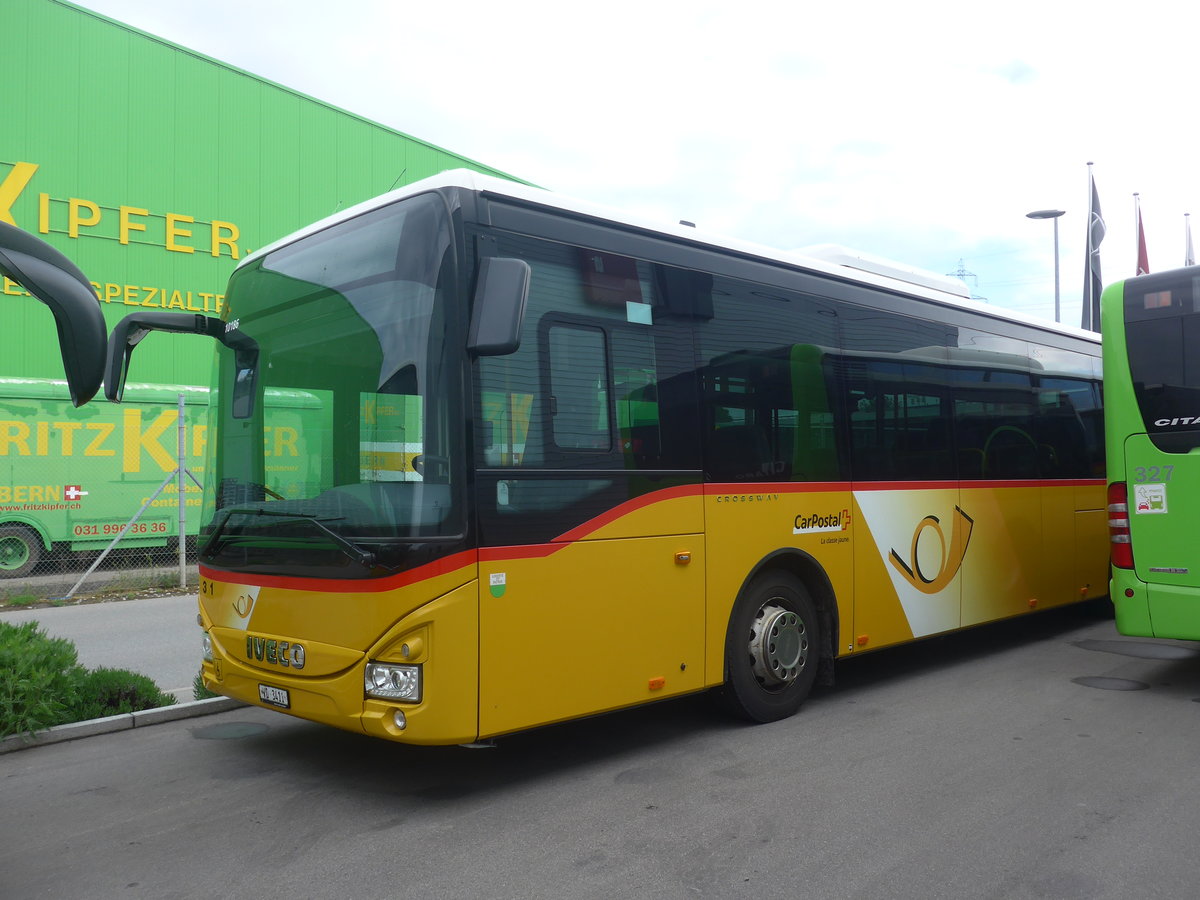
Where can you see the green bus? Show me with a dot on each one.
(1152, 432)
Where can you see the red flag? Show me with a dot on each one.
(1143, 261)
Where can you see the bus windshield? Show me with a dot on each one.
(1162, 327)
(351, 325)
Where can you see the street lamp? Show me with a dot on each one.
(1051, 214)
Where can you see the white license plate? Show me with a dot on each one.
(274, 696)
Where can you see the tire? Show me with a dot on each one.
(20, 551)
(772, 649)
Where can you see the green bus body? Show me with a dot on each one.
(1152, 431)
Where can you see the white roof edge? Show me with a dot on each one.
(857, 266)
(878, 265)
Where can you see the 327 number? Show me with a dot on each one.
(1143, 474)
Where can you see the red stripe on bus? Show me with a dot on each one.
(443, 566)
(623, 509)
(467, 558)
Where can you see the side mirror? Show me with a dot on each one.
(499, 306)
(58, 282)
(135, 326)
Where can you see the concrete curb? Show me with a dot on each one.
(75, 730)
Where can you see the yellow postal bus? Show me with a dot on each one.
(621, 462)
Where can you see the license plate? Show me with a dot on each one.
(274, 696)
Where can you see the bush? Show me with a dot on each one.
(38, 678)
(199, 691)
(42, 684)
(111, 692)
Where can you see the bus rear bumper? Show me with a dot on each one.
(1155, 610)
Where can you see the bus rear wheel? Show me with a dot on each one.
(20, 551)
(772, 649)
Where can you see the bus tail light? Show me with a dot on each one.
(1121, 549)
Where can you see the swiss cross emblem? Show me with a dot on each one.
(74, 492)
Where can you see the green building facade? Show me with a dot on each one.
(155, 169)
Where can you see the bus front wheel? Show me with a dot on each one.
(771, 649)
(20, 551)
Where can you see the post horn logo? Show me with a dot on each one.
(951, 557)
(243, 604)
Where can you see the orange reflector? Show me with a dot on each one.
(657, 683)
(1032, 602)
(683, 557)
(862, 640)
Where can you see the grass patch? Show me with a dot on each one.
(131, 582)
(19, 601)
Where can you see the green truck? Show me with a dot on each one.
(72, 479)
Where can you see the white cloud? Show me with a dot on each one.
(924, 131)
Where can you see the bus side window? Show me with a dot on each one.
(1061, 432)
(763, 374)
(579, 388)
(635, 392)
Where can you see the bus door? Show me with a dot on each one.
(912, 531)
(591, 575)
(1070, 436)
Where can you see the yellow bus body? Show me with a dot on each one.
(619, 613)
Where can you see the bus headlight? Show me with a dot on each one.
(388, 681)
(206, 647)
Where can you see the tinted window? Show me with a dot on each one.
(1162, 326)
(601, 387)
(764, 369)
(897, 384)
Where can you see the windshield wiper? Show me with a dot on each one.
(359, 554)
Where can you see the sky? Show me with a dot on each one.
(921, 131)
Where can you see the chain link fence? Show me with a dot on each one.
(89, 498)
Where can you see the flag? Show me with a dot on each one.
(1093, 286)
(1189, 255)
(1143, 262)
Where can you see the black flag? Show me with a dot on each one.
(1093, 285)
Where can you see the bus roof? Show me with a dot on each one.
(826, 259)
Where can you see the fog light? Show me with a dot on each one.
(400, 719)
(388, 681)
(206, 644)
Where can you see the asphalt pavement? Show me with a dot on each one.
(1044, 757)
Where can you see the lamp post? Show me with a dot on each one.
(1051, 214)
